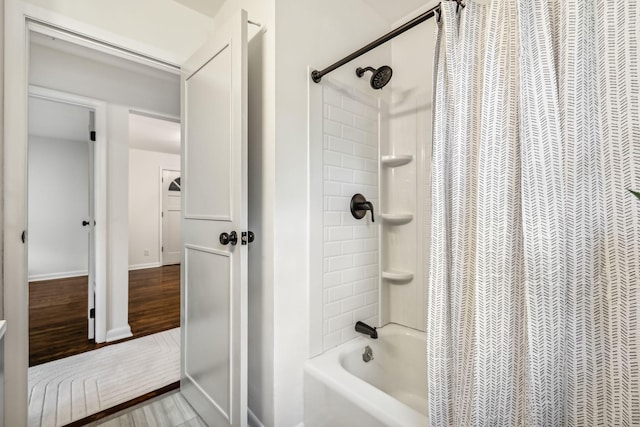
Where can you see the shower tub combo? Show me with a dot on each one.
(342, 389)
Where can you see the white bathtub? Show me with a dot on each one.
(391, 390)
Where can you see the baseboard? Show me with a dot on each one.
(53, 276)
(143, 266)
(119, 333)
(252, 420)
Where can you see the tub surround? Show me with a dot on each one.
(350, 250)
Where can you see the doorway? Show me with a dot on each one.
(116, 372)
(170, 214)
(61, 251)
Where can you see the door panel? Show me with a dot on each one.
(207, 314)
(209, 121)
(214, 277)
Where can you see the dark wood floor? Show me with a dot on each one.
(58, 308)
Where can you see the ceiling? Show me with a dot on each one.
(206, 7)
(393, 11)
(152, 134)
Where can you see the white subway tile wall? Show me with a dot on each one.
(350, 255)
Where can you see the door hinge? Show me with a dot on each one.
(162, 249)
(92, 135)
(92, 313)
(162, 214)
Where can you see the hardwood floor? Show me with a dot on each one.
(58, 308)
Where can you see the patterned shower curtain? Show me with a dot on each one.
(534, 300)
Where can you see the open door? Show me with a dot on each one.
(214, 209)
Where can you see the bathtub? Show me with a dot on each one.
(340, 389)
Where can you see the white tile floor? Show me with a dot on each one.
(169, 410)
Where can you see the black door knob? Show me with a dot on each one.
(85, 223)
(232, 238)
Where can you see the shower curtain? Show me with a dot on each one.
(534, 298)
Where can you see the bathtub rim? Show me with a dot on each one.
(328, 370)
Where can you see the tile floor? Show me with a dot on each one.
(168, 410)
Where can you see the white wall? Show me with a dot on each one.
(308, 33)
(58, 203)
(350, 253)
(144, 205)
(153, 91)
(118, 222)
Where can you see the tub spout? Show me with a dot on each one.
(363, 328)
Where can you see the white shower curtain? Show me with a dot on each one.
(534, 300)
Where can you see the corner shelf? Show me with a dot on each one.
(397, 218)
(394, 160)
(397, 276)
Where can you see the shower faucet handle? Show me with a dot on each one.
(360, 206)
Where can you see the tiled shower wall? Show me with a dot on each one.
(350, 253)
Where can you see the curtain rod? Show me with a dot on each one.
(316, 75)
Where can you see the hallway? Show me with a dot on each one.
(57, 312)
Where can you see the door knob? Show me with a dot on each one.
(232, 238)
(85, 223)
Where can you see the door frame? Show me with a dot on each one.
(98, 194)
(18, 18)
(161, 240)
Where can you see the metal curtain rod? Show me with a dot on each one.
(316, 75)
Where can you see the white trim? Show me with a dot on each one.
(119, 333)
(253, 421)
(144, 266)
(99, 192)
(80, 40)
(60, 275)
(154, 115)
(315, 220)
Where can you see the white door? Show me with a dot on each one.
(214, 204)
(171, 240)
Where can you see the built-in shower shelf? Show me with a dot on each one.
(394, 160)
(397, 276)
(397, 218)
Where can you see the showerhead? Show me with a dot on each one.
(380, 76)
